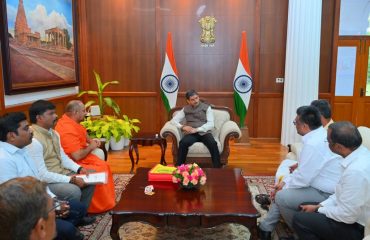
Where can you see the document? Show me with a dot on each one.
(94, 178)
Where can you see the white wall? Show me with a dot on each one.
(11, 100)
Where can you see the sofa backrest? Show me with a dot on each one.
(221, 115)
(365, 134)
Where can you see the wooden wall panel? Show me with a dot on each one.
(363, 114)
(343, 111)
(326, 46)
(121, 43)
(274, 19)
(209, 69)
(142, 108)
(128, 45)
(59, 103)
(269, 117)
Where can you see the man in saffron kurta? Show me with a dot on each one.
(77, 144)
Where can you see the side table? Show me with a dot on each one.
(146, 139)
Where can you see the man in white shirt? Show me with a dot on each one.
(196, 121)
(46, 146)
(344, 214)
(314, 179)
(287, 166)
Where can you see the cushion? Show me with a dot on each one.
(200, 148)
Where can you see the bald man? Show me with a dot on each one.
(78, 146)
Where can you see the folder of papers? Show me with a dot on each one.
(94, 178)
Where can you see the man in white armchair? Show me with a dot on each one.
(196, 120)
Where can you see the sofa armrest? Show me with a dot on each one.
(295, 149)
(169, 130)
(229, 129)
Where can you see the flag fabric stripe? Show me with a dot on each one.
(170, 54)
(169, 82)
(243, 82)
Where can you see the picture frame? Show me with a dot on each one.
(38, 44)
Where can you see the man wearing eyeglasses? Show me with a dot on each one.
(27, 210)
(15, 135)
(314, 179)
(344, 214)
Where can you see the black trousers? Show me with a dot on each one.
(207, 139)
(312, 226)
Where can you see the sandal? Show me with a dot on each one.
(263, 199)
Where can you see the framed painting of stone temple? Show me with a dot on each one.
(38, 45)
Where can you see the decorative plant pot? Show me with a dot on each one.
(127, 142)
(115, 146)
(189, 186)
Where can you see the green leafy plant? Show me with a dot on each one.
(102, 101)
(111, 126)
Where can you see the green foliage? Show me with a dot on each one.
(102, 101)
(111, 126)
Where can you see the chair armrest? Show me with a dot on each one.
(170, 130)
(229, 129)
(100, 153)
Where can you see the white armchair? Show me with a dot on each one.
(225, 129)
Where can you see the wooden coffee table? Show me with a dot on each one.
(223, 199)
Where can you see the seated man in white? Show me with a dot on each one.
(344, 214)
(199, 121)
(289, 165)
(315, 177)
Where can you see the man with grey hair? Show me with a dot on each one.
(344, 214)
(26, 210)
(196, 122)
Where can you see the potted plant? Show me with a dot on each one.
(113, 129)
(102, 101)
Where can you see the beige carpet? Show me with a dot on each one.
(141, 231)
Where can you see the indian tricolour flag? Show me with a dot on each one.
(169, 80)
(242, 82)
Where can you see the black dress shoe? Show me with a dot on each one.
(264, 235)
(86, 221)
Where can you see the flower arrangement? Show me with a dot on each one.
(189, 175)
